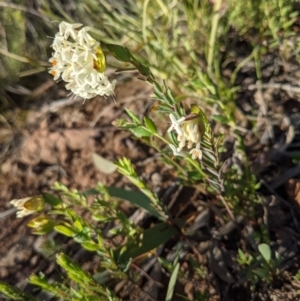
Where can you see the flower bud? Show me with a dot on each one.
(42, 224)
(28, 205)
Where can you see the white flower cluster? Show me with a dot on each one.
(188, 135)
(78, 59)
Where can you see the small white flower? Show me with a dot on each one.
(84, 38)
(182, 140)
(58, 42)
(175, 124)
(196, 152)
(176, 151)
(67, 29)
(19, 204)
(79, 61)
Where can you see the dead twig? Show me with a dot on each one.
(286, 87)
(142, 272)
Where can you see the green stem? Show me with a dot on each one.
(183, 171)
(162, 139)
(257, 66)
(213, 33)
(196, 165)
(189, 159)
(243, 63)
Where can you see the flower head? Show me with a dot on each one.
(189, 134)
(79, 60)
(28, 205)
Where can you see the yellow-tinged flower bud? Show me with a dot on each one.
(42, 224)
(28, 205)
(100, 63)
(39, 221)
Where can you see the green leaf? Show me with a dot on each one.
(169, 95)
(261, 272)
(180, 98)
(134, 197)
(278, 258)
(146, 241)
(14, 293)
(173, 138)
(120, 52)
(178, 252)
(90, 246)
(78, 226)
(150, 125)
(242, 255)
(197, 83)
(209, 84)
(165, 263)
(220, 118)
(51, 199)
(92, 191)
(99, 217)
(195, 175)
(134, 117)
(265, 251)
(294, 14)
(74, 271)
(144, 70)
(65, 230)
(172, 283)
(82, 237)
(103, 277)
(140, 132)
(41, 281)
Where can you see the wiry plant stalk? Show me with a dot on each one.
(213, 33)
(211, 165)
